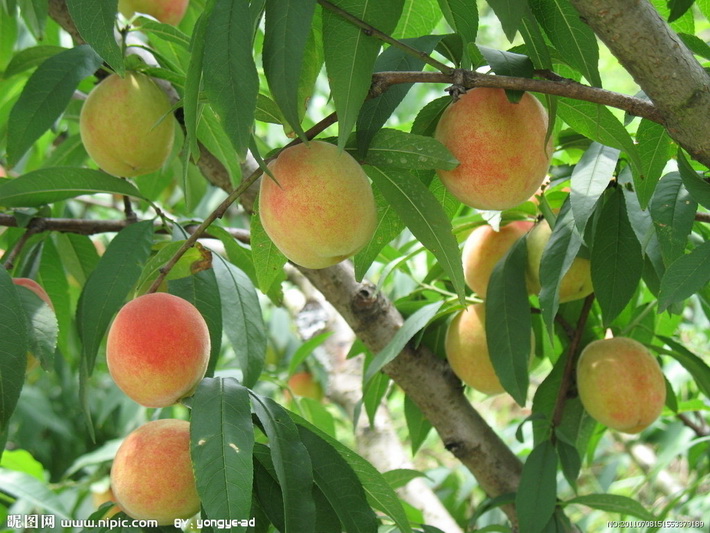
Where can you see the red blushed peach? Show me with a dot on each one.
(621, 384)
(32, 361)
(500, 146)
(126, 125)
(158, 348)
(167, 11)
(322, 209)
(304, 384)
(484, 247)
(152, 476)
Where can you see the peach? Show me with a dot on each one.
(322, 209)
(32, 361)
(466, 349)
(577, 281)
(100, 498)
(157, 349)
(303, 384)
(484, 247)
(500, 146)
(126, 125)
(167, 11)
(621, 384)
(152, 476)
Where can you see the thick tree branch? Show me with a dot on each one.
(660, 63)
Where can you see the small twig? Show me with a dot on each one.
(128, 209)
(374, 32)
(572, 351)
(702, 217)
(13, 254)
(701, 430)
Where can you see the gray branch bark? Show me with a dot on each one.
(661, 64)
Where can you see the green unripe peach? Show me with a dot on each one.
(152, 476)
(167, 11)
(157, 349)
(466, 347)
(577, 281)
(484, 247)
(621, 384)
(126, 125)
(322, 209)
(500, 146)
(32, 361)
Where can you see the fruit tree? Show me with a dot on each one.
(354, 266)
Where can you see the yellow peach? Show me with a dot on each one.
(157, 349)
(500, 146)
(621, 384)
(126, 125)
(322, 209)
(152, 476)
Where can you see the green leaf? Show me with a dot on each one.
(535, 42)
(557, 258)
(267, 110)
(411, 326)
(292, 464)
(108, 284)
(339, 484)
(573, 39)
(166, 32)
(685, 276)
(510, 14)
(590, 178)
(33, 491)
(654, 150)
(46, 95)
(616, 259)
(13, 348)
(570, 460)
(698, 187)
(613, 503)
(229, 71)
(678, 8)
(691, 362)
(288, 26)
(95, 20)
(379, 493)
(350, 55)
(306, 349)
(508, 64)
(375, 111)
(30, 58)
(428, 116)
(537, 492)
(462, 16)
(213, 136)
(417, 424)
(268, 259)
(425, 218)
(49, 185)
(508, 322)
(42, 326)
(389, 225)
(242, 319)
(419, 17)
(398, 149)
(673, 213)
(202, 291)
(221, 445)
(193, 83)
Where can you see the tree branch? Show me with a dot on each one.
(660, 63)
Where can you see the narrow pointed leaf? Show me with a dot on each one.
(654, 150)
(292, 464)
(508, 322)
(46, 95)
(350, 55)
(673, 212)
(229, 71)
(685, 276)
(462, 16)
(193, 82)
(288, 25)
(13, 348)
(95, 20)
(537, 491)
(397, 149)
(590, 178)
(242, 318)
(268, 259)
(691, 362)
(510, 14)
(424, 216)
(698, 187)
(30, 58)
(616, 258)
(49, 185)
(221, 444)
(613, 503)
